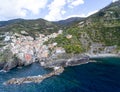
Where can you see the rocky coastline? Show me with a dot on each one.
(20, 50)
(57, 66)
(65, 60)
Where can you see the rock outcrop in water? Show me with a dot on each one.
(66, 60)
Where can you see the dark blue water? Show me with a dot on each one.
(100, 76)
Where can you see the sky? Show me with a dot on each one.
(52, 10)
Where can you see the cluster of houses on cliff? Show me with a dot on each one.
(26, 48)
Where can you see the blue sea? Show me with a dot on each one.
(100, 76)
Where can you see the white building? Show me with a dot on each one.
(60, 31)
(59, 50)
(7, 38)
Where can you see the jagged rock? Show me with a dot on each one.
(2, 64)
(10, 64)
(66, 60)
(7, 60)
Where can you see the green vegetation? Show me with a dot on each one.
(6, 55)
(33, 27)
(107, 35)
(3, 56)
(102, 27)
(72, 45)
(73, 48)
(118, 48)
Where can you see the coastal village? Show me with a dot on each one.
(28, 49)
(48, 51)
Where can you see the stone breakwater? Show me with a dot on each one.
(34, 79)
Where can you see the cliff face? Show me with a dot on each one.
(8, 60)
(65, 60)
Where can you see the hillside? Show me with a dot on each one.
(33, 27)
(4, 23)
(101, 29)
(68, 22)
(104, 26)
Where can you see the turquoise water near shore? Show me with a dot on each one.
(100, 76)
